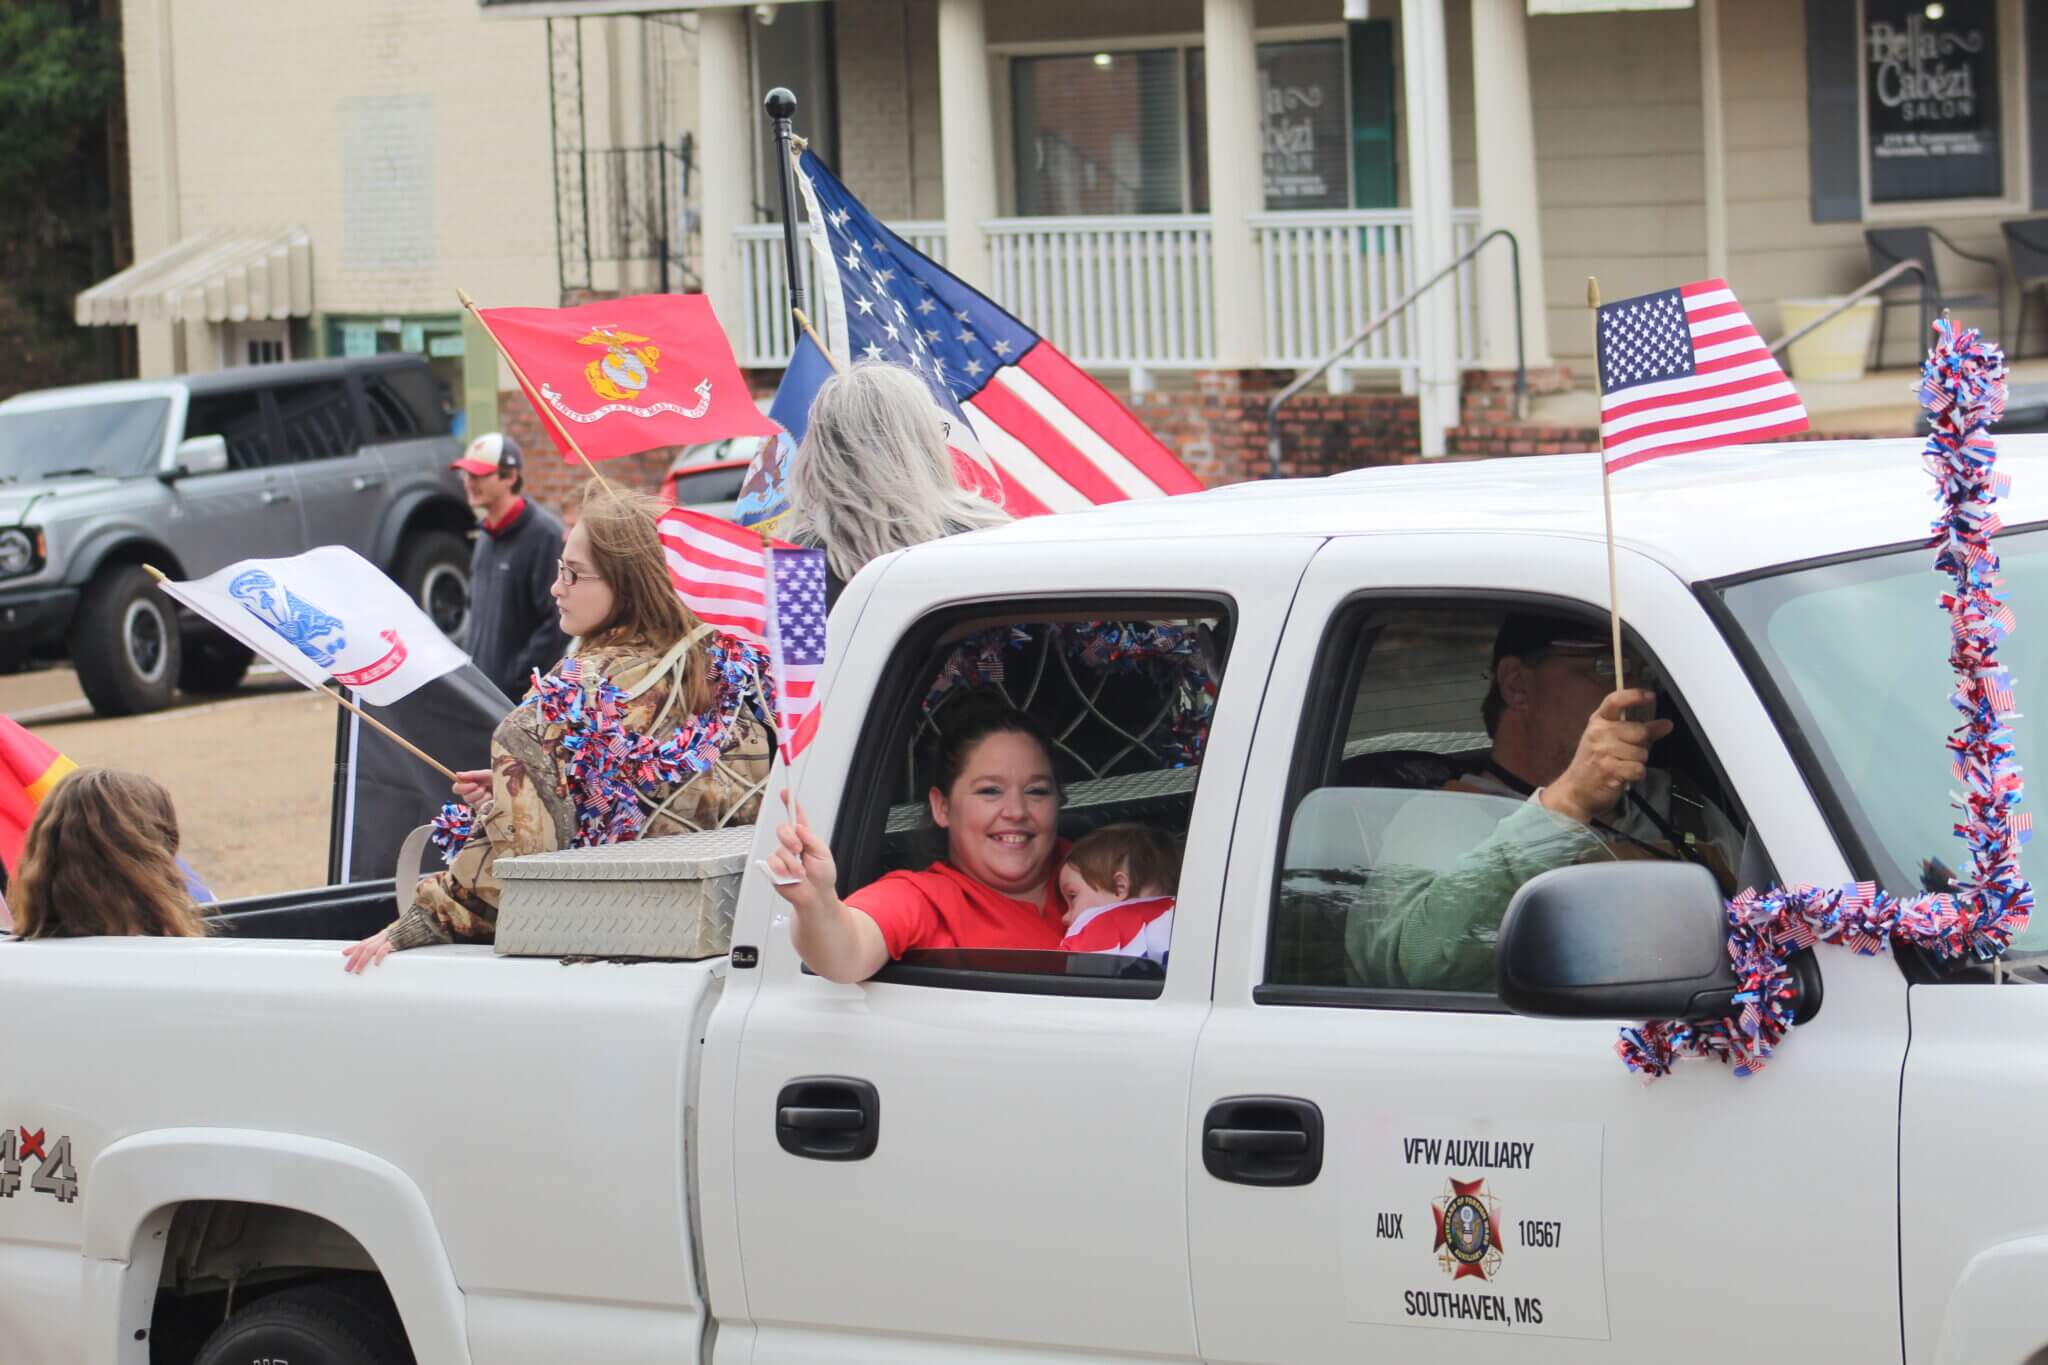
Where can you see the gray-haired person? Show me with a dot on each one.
(874, 474)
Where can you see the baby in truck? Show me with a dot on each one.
(1119, 883)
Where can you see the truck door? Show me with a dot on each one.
(1387, 1166)
(341, 476)
(250, 510)
(976, 1152)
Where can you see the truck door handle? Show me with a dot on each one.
(828, 1118)
(363, 483)
(1263, 1140)
(271, 497)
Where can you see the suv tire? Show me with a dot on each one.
(126, 647)
(312, 1325)
(433, 568)
(213, 663)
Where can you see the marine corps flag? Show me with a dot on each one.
(628, 375)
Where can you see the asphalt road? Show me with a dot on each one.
(251, 772)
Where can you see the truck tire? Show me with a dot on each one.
(212, 664)
(433, 568)
(126, 647)
(313, 1325)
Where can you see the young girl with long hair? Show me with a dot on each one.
(644, 677)
(101, 858)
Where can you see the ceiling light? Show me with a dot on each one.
(1937, 10)
(1104, 59)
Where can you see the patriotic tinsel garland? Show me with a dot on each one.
(1963, 388)
(609, 769)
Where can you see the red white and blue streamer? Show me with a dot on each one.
(610, 772)
(1963, 388)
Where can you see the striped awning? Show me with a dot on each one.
(224, 275)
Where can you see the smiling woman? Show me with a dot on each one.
(995, 796)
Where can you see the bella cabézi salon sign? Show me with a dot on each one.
(1931, 100)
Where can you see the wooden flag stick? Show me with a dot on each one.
(400, 740)
(817, 340)
(1606, 494)
(532, 393)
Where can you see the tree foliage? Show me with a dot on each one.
(60, 83)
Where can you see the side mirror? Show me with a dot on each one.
(198, 455)
(1627, 940)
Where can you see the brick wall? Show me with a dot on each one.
(1219, 431)
(550, 474)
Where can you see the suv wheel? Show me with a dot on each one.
(126, 646)
(213, 663)
(434, 571)
(313, 1325)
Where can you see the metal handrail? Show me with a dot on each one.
(1863, 291)
(1392, 311)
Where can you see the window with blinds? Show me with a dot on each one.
(1099, 133)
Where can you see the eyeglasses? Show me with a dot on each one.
(568, 575)
(1640, 674)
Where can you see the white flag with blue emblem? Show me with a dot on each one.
(328, 613)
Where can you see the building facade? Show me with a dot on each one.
(1195, 198)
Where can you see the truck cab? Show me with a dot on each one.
(1284, 1144)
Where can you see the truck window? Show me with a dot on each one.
(318, 421)
(237, 417)
(1125, 695)
(1413, 815)
(390, 418)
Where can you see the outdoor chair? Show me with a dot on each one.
(2026, 246)
(1889, 246)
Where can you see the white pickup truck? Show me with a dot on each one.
(1270, 1150)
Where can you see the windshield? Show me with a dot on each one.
(1860, 652)
(118, 439)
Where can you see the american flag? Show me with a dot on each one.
(720, 572)
(796, 643)
(1683, 370)
(1035, 432)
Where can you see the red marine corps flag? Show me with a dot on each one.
(628, 375)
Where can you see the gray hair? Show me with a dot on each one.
(873, 473)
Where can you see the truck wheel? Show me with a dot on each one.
(126, 646)
(315, 1325)
(434, 571)
(213, 663)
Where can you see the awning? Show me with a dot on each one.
(222, 276)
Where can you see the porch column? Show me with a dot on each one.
(1237, 178)
(967, 139)
(1503, 114)
(1714, 139)
(725, 118)
(1425, 78)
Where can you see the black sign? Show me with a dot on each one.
(1306, 145)
(1932, 100)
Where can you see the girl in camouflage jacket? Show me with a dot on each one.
(653, 724)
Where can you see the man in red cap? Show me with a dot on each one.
(514, 627)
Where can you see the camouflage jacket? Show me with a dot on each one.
(531, 809)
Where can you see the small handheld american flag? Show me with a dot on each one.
(719, 570)
(1684, 369)
(796, 643)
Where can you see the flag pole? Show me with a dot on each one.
(1606, 494)
(532, 393)
(818, 341)
(400, 740)
(781, 107)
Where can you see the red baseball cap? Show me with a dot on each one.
(491, 453)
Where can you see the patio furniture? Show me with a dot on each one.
(1889, 246)
(2026, 246)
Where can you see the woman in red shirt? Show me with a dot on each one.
(998, 886)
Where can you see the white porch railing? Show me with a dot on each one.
(765, 334)
(1327, 274)
(1113, 293)
(1138, 292)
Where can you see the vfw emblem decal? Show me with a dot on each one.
(619, 378)
(1467, 1230)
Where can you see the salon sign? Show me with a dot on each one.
(1931, 100)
